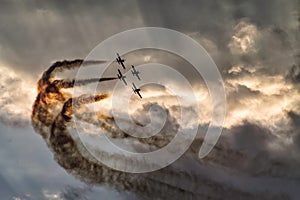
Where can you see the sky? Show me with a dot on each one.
(255, 45)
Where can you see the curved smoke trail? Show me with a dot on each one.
(52, 112)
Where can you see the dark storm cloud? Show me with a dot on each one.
(295, 119)
(255, 150)
(214, 16)
(215, 20)
(294, 74)
(295, 128)
(251, 137)
(35, 33)
(274, 53)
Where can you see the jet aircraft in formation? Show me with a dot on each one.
(120, 61)
(121, 77)
(133, 71)
(136, 90)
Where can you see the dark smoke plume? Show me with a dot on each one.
(72, 83)
(52, 112)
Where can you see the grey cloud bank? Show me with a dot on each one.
(255, 45)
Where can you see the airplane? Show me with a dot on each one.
(120, 61)
(136, 90)
(135, 72)
(121, 77)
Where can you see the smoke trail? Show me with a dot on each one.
(67, 110)
(60, 66)
(49, 91)
(72, 83)
(67, 65)
(52, 112)
(68, 152)
(72, 155)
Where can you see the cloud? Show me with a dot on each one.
(15, 98)
(259, 149)
(243, 40)
(258, 97)
(294, 128)
(70, 193)
(253, 44)
(50, 30)
(294, 74)
(270, 28)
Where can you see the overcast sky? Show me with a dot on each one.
(255, 45)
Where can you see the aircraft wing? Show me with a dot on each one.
(120, 72)
(138, 92)
(123, 64)
(137, 75)
(124, 80)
